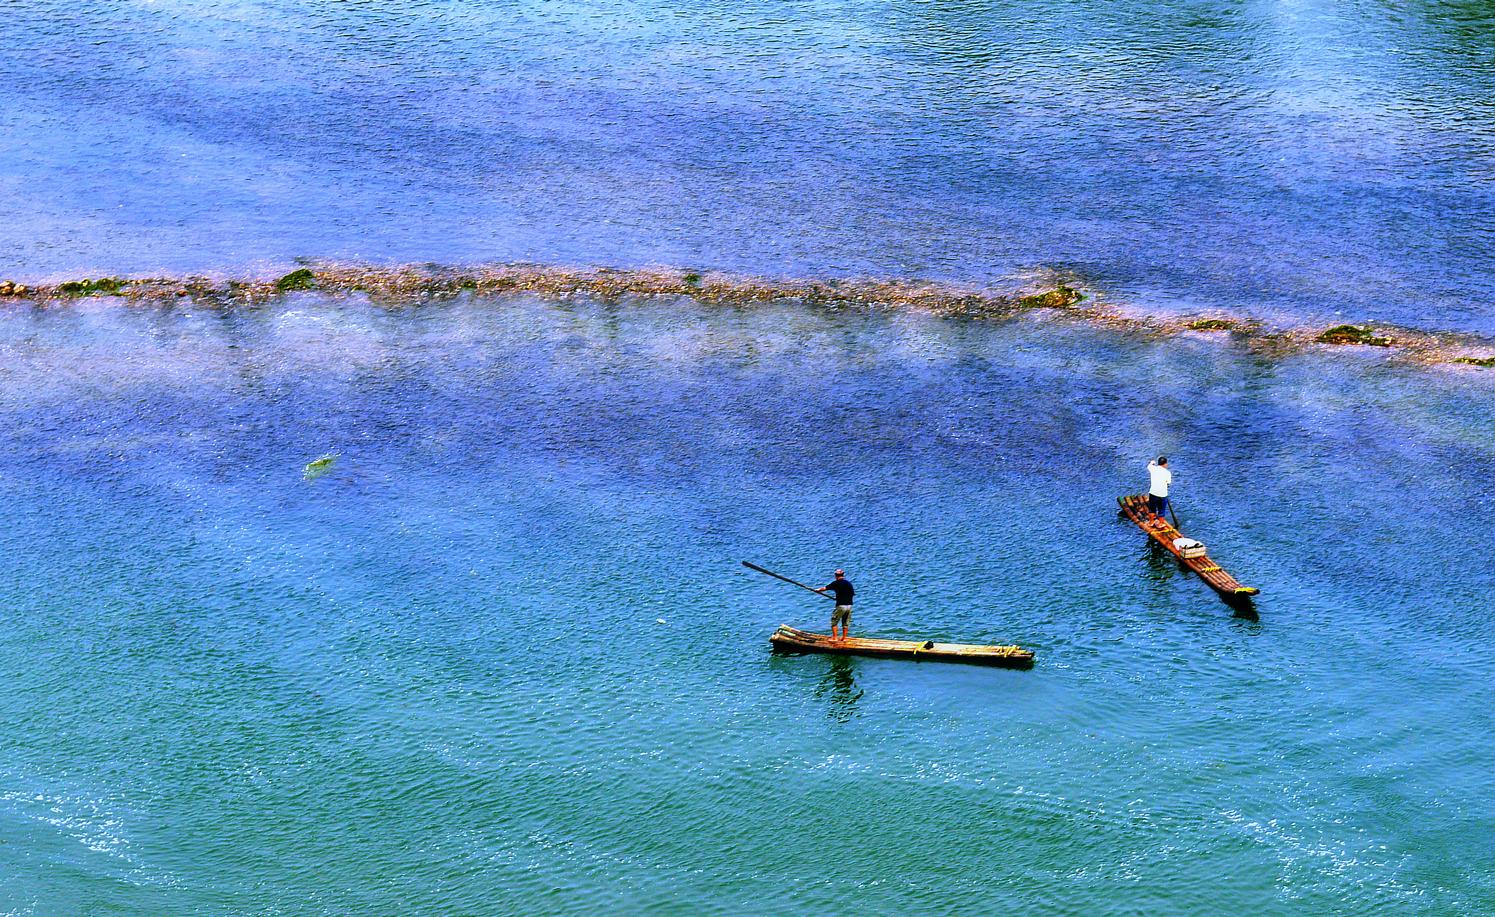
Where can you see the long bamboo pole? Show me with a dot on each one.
(753, 566)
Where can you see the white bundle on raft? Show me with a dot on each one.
(1188, 547)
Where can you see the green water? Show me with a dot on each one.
(434, 679)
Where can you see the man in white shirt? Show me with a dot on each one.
(1157, 494)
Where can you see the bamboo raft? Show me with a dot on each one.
(1135, 509)
(792, 640)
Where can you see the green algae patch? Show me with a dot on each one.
(1212, 324)
(1057, 298)
(300, 279)
(692, 279)
(1352, 334)
(104, 286)
(1487, 362)
(317, 467)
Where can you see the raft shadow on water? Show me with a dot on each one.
(1161, 567)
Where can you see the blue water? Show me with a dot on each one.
(1298, 161)
(501, 657)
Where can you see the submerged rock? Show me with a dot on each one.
(1060, 297)
(409, 284)
(104, 286)
(317, 467)
(300, 279)
(1352, 334)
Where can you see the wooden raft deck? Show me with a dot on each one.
(1135, 509)
(793, 640)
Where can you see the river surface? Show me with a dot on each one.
(500, 656)
(1301, 161)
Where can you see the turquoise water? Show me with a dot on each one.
(1308, 160)
(435, 679)
(501, 657)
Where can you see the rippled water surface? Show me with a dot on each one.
(501, 656)
(1298, 160)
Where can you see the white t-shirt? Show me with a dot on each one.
(1161, 478)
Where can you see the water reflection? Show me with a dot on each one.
(1242, 607)
(838, 685)
(1160, 566)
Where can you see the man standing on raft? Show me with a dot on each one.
(841, 586)
(1157, 494)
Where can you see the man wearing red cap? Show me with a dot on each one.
(841, 586)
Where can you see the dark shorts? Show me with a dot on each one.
(841, 616)
(1157, 505)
